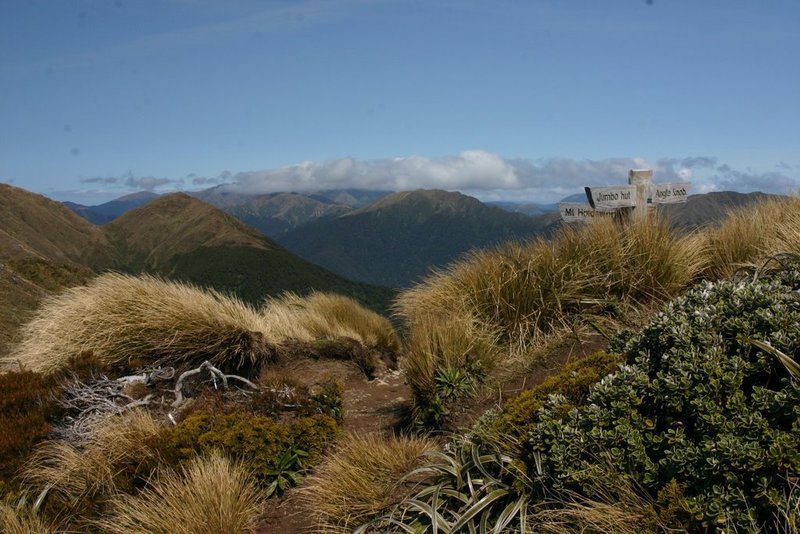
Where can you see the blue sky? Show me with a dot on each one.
(527, 100)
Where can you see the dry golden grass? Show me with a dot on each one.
(498, 303)
(76, 475)
(447, 341)
(130, 321)
(327, 316)
(749, 235)
(211, 495)
(15, 520)
(362, 480)
(618, 505)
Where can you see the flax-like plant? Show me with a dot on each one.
(471, 491)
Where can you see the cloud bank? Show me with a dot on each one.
(491, 177)
(479, 173)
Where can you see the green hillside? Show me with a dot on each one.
(45, 247)
(183, 238)
(399, 238)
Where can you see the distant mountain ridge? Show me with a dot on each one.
(400, 237)
(277, 213)
(108, 211)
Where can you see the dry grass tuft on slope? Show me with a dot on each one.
(749, 235)
(20, 520)
(495, 304)
(362, 480)
(211, 495)
(78, 476)
(132, 321)
(328, 316)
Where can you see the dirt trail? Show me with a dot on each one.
(378, 405)
(369, 406)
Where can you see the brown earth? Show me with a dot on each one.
(378, 405)
(369, 406)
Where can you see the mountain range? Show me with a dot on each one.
(401, 237)
(392, 239)
(44, 247)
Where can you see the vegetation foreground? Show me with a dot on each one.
(139, 405)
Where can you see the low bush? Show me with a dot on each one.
(273, 450)
(280, 393)
(573, 382)
(364, 478)
(707, 423)
(29, 409)
(210, 495)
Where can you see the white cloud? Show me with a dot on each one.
(491, 177)
(479, 173)
(470, 169)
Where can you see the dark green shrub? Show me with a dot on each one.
(260, 441)
(573, 381)
(698, 416)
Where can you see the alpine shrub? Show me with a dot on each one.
(697, 411)
(265, 444)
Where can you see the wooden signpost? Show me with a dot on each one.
(624, 200)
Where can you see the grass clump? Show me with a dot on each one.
(330, 316)
(121, 456)
(446, 358)
(364, 478)
(211, 495)
(21, 520)
(750, 235)
(332, 326)
(131, 321)
(507, 299)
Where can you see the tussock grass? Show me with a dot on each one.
(130, 321)
(21, 520)
(77, 476)
(211, 495)
(446, 342)
(328, 316)
(496, 304)
(751, 234)
(363, 479)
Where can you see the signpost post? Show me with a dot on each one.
(624, 200)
